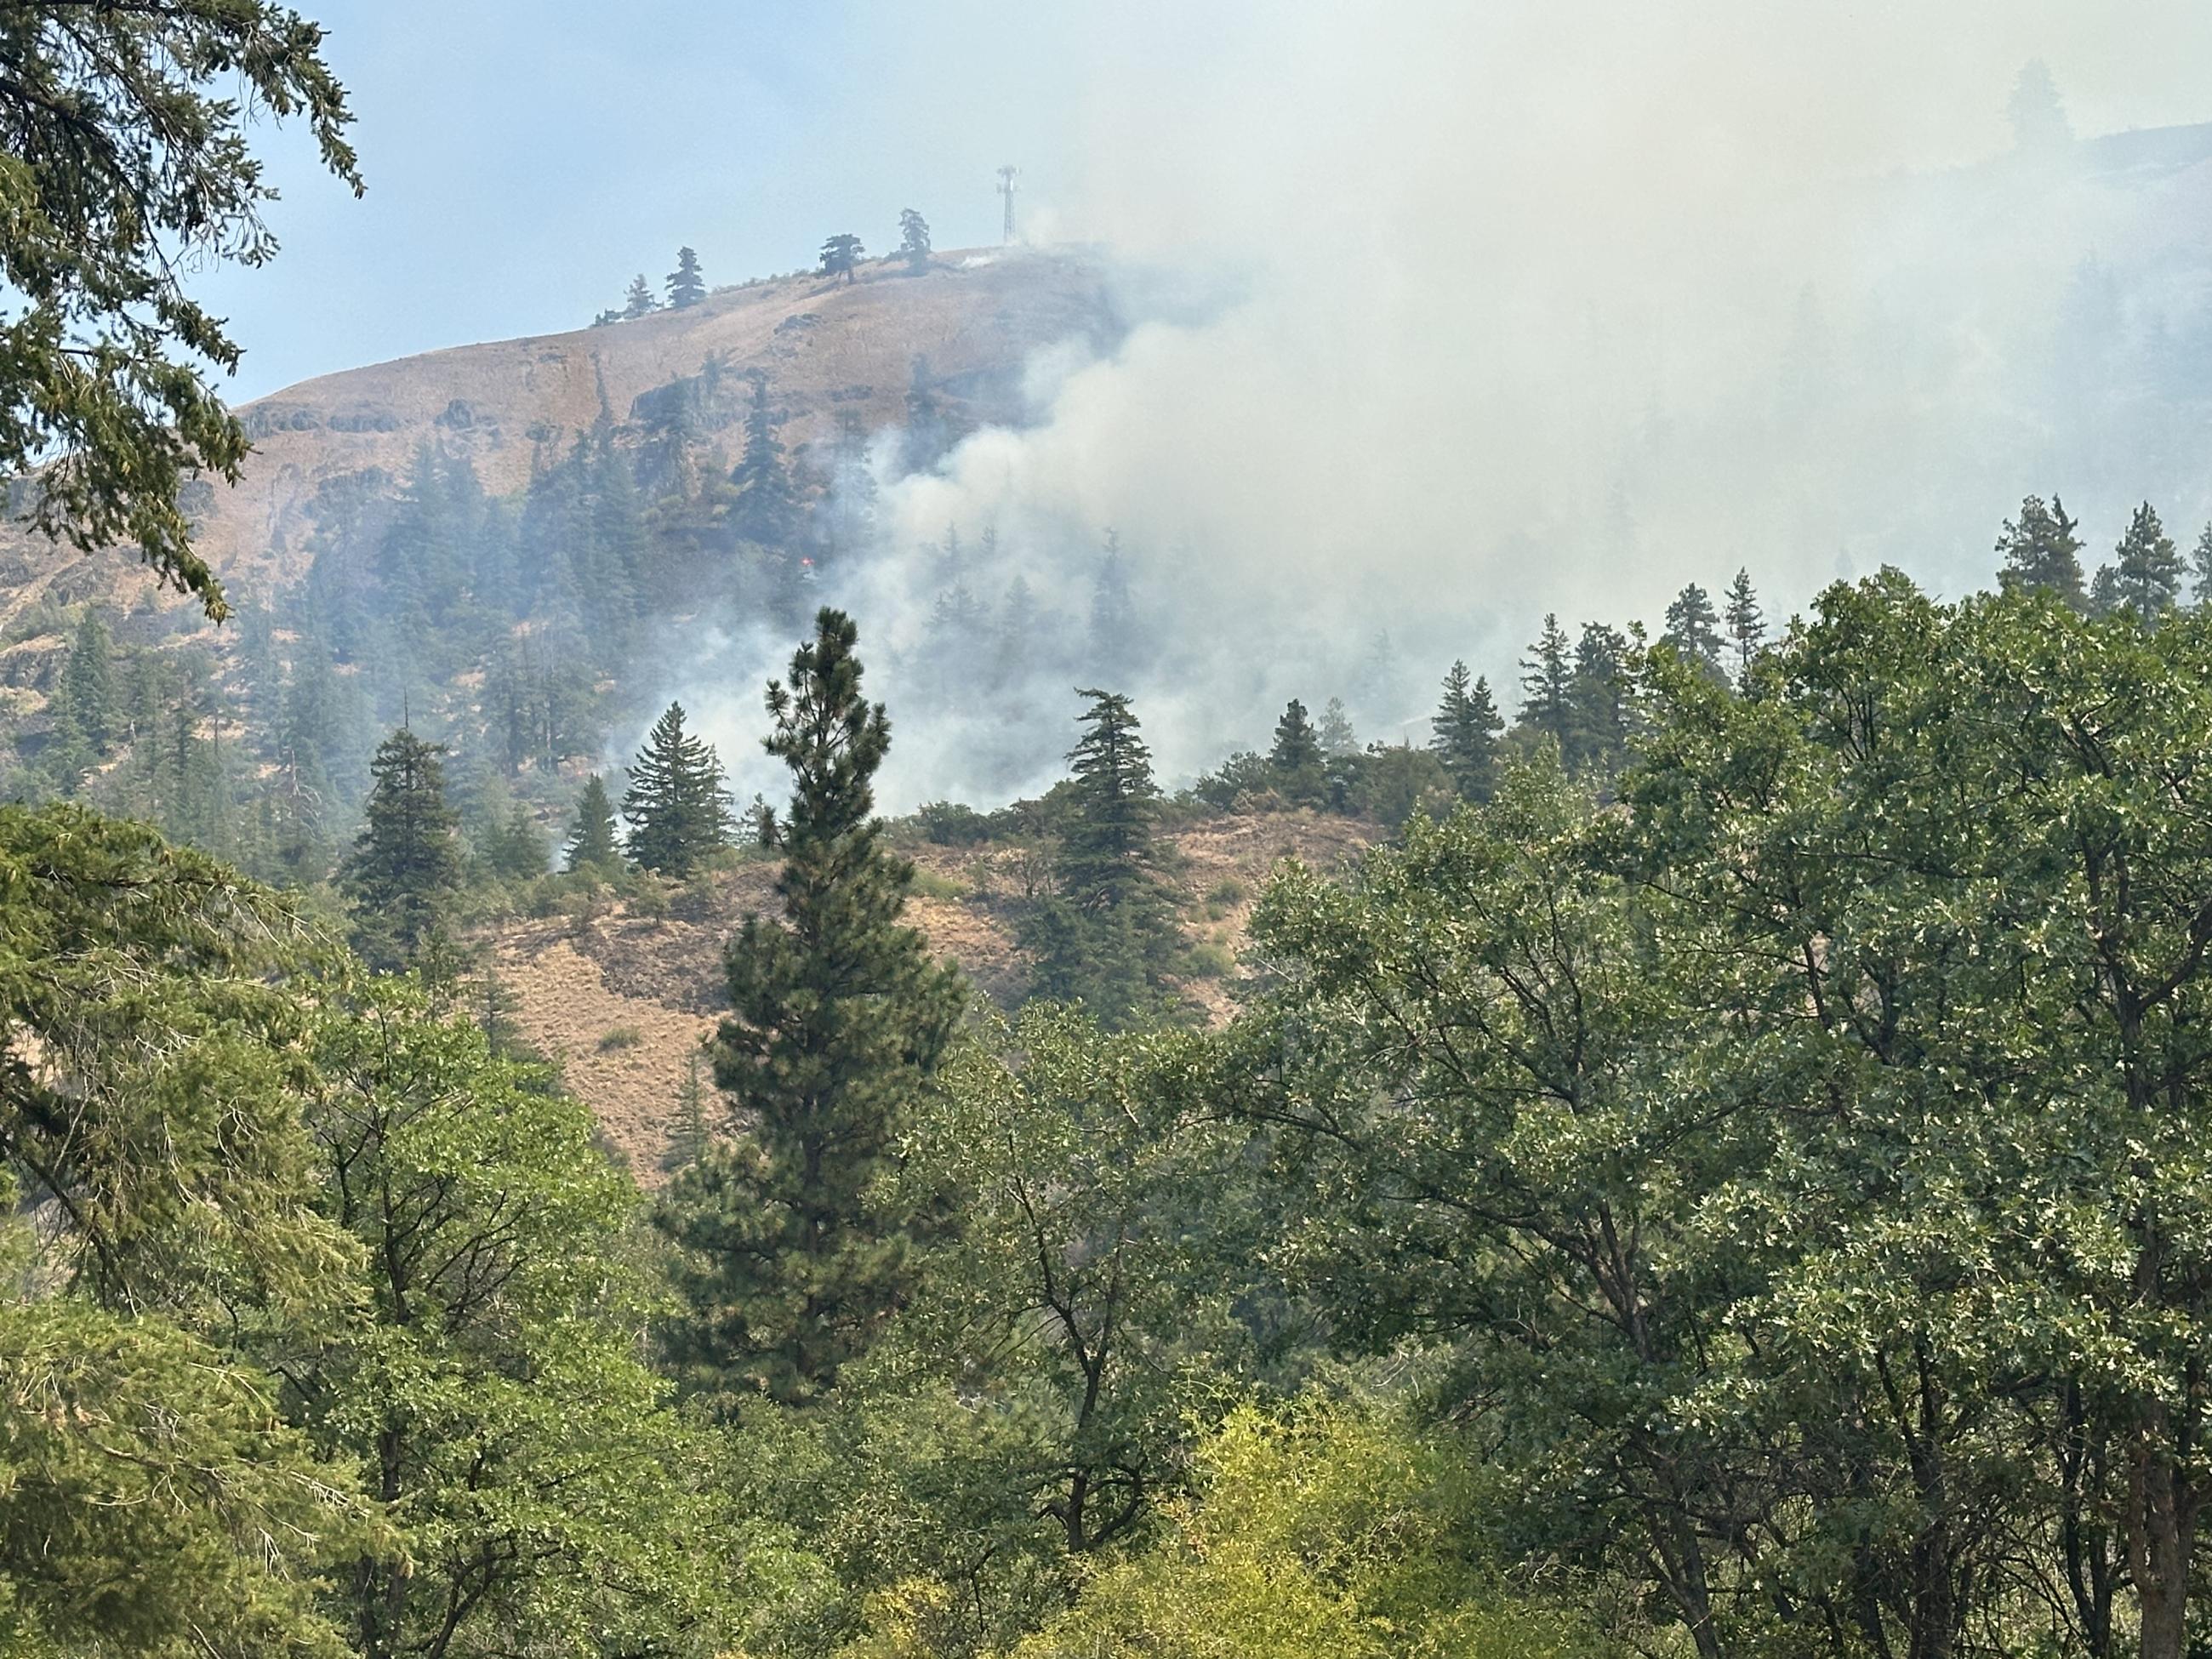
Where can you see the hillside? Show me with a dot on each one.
(836, 353)
(621, 999)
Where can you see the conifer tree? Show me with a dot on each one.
(766, 511)
(1335, 732)
(678, 809)
(2041, 550)
(2201, 567)
(1598, 695)
(914, 242)
(88, 694)
(593, 843)
(1693, 629)
(838, 1021)
(842, 255)
(1113, 611)
(1547, 686)
(1464, 733)
(1106, 938)
(404, 871)
(1746, 625)
(1297, 748)
(687, 286)
(2146, 571)
(639, 301)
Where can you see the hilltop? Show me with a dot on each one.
(840, 356)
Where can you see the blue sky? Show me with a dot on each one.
(525, 158)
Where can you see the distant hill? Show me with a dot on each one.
(837, 354)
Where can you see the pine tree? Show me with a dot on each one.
(838, 1021)
(1113, 611)
(514, 850)
(593, 844)
(766, 511)
(2039, 126)
(2201, 564)
(842, 255)
(1747, 626)
(1464, 733)
(1296, 746)
(677, 809)
(2146, 571)
(89, 694)
(639, 301)
(1693, 629)
(913, 240)
(1547, 685)
(405, 871)
(687, 286)
(2040, 549)
(1335, 732)
(1598, 697)
(1106, 938)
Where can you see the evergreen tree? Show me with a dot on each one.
(1598, 697)
(593, 843)
(914, 242)
(2201, 566)
(2146, 571)
(1113, 611)
(1747, 626)
(1335, 732)
(1547, 686)
(839, 1020)
(1297, 755)
(2041, 550)
(405, 871)
(842, 255)
(639, 301)
(1106, 938)
(1464, 733)
(678, 809)
(2039, 126)
(686, 285)
(88, 698)
(1693, 629)
(515, 849)
(766, 511)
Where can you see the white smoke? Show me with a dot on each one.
(1532, 308)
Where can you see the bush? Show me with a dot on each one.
(1209, 961)
(949, 824)
(619, 1037)
(936, 884)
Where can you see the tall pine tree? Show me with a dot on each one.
(1745, 623)
(1464, 733)
(1694, 628)
(838, 1021)
(677, 809)
(2041, 550)
(2144, 578)
(405, 871)
(1547, 686)
(687, 286)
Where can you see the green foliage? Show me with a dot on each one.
(2144, 579)
(687, 285)
(1547, 686)
(1693, 629)
(839, 1019)
(545, 1496)
(406, 868)
(638, 301)
(1320, 1532)
(1106, 938)
(592, 843)
(914, 242)
(842, 255)
(1296, 754)
(123, 164)
(1745, 623)
(677, 809)
(2040, 549)
(1465, 728)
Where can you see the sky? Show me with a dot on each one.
(1536, 306)
(525, 158)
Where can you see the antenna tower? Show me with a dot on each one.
(1006, 188)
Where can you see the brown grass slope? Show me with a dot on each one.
(829, 349)
(653, 983)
